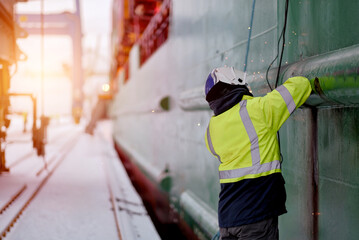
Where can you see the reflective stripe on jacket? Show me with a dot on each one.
(244, 138)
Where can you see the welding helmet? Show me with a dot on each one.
(228, 75)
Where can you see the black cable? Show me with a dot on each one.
(270, 65)
(282, 35)
(283, 42)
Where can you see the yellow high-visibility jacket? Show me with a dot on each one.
(244, 138)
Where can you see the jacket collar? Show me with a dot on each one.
(227, 101)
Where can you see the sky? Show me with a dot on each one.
(96, 28)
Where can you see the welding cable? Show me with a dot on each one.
(282, 35)
(283, 42)
(280, 64)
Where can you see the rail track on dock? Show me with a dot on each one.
(11, 211)
(130, 215)
(93, 168)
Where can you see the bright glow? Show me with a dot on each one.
(105, 87)
(58, 59)
(57, 78)
(23, 18)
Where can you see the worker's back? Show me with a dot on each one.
(244, 139)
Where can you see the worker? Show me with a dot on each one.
(242, 134)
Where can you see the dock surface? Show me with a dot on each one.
(79, 190)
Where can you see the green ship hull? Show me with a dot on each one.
(160, 115)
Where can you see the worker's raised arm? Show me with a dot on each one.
(279, 104)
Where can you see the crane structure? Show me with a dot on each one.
(65, 23)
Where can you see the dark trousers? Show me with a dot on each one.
(263, 230)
